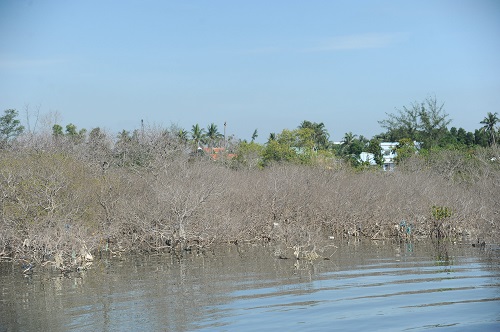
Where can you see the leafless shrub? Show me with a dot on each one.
(62, 201)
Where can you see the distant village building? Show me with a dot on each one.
(217, 153)
(367, 157)
(388, 150)
(388, 154)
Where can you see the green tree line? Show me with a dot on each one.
(425, 123)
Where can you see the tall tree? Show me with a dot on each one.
(57, 130)
(347, 141)
(272, 137)
(10, 127)
(425, 122)
(249, 155)
(404, 150)
(351, 146)
(403, 124)
(255, 135)
(462, 135)
(489, 123)
(182, 135)
(275, 151)
(71, 130)
(320, 137)
(433, 122)
(375, 148)
(197, 135)
(73, 133)
(469, 138)
(480, 138)
(213, 135)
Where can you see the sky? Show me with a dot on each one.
(265, 65)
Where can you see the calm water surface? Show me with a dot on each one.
(363, 286)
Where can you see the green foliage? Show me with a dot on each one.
(298, 146)
(182, 135)
(489, 123)
(278, 152)
(469, 139)
(424, 122)
(71, 130)
(404, 123)
(255, 135)
(464, 137)
(433, 122)
(458, 138)
(376, 150)
(198, 135)
(405, 149)
(10, 127)
(249, 155)
(441, 212)
(213, 136)
(351, 148)
(305, 139)
(319, 134)
(57, 130)
(480, 138)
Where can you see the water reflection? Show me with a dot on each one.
(378, 286)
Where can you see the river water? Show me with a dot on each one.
(362, 286)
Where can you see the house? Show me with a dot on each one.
(367, 157)
(388, 154)
(217, 153)
(388, 150)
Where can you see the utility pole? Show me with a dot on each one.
(224, 135)
(142, 130)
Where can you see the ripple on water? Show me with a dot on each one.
(362, 287)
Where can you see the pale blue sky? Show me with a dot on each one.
(263, 65)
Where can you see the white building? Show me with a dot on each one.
(388, 154)
(367, 157)
(388, 150)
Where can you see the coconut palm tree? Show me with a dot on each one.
(351, 145)
(348, 139)
(272, 137)
(213, 134)
(489, 123)
(182, 135)
(254, 135)
(197, 135)
(321, 136)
